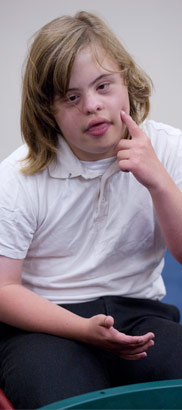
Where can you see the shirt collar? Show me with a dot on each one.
(66, 165)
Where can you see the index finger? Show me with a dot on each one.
(146, 338)
(133, 128)
(137, 340)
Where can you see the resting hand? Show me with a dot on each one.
(138, 156)
(100, 332)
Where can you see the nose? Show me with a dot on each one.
(91, 103)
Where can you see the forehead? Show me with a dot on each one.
(90, 64)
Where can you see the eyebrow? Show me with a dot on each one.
(101, 77)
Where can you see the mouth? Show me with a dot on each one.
(98, 127)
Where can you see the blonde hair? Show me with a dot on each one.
(48, 71)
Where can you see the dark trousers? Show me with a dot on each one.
(37, 369)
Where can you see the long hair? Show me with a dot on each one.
(47, 72)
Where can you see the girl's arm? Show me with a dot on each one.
(138, 156)
(24, 309)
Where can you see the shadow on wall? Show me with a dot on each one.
(172, 275)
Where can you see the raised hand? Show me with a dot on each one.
(138, 156)
(100, 332)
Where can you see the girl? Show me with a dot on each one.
(88, 205)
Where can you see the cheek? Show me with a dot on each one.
(61, 119)
(124, 101)
(124, 97)
(68, 125)
(121, 101)
(127, 108)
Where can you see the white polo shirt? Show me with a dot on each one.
(86, 229)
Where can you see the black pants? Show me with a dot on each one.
(37, 369)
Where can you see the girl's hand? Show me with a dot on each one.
(138, 156)
(101, 333)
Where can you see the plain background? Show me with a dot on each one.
(151, 30)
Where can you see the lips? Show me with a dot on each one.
(98, 127)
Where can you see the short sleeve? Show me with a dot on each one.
(17, 212)
(167, 142)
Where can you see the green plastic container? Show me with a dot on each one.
(154, 395)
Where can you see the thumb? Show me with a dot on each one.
(108, 322)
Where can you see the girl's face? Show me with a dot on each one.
(89, 117)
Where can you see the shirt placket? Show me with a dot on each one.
(102, 207)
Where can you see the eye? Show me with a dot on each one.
(103, 86)
(72, 98)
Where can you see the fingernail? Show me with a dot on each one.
(123, 112)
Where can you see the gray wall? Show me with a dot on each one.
(151, 31)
